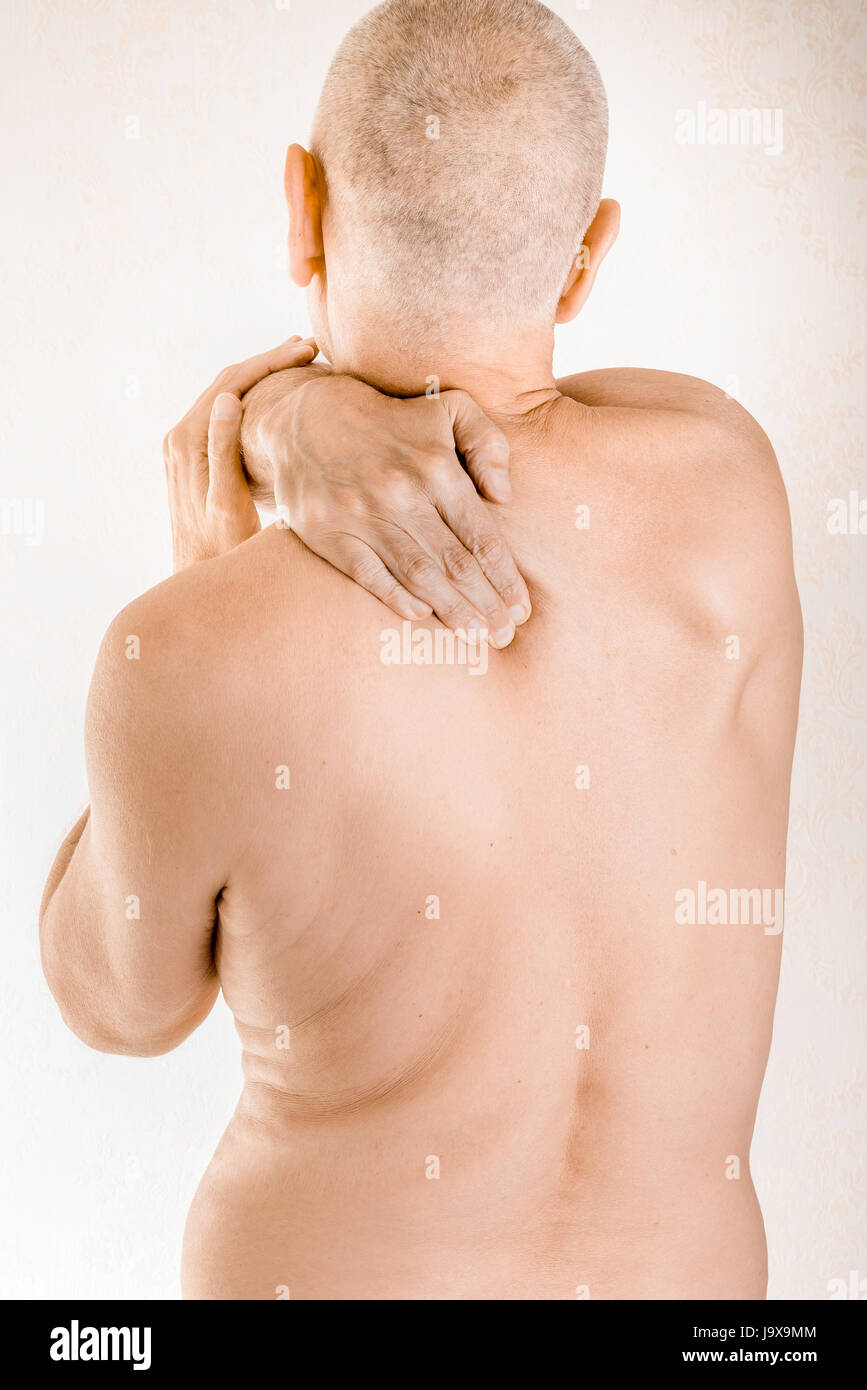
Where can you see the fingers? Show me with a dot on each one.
(295, 352)
(243, 376)
(226, 478)
(484, 446)
(467, 517)
(364, 566)
(432, 564)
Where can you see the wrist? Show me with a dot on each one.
(273, 433)
(270, 410)
(267, 447)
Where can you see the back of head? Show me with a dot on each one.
(462, 144)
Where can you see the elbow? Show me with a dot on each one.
(103, 1025)
(104, 1033)
(101, 1036)
(110, 1013)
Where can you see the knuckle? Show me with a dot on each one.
(459, 564)
(356, 505)
(515, 592)
(173, 446)
(457, 396)
(490, 605)
(365, 570)
(492, 437)
(383, 586)
(399, 489)
(496, 618)
(438, 466)
(491, 551)
(455, 614)
(419, 568)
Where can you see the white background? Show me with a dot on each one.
(141, 250)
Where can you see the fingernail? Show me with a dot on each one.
(503, 637)
(519, 614)
(498, 485)
(419, 609)
(227, 406)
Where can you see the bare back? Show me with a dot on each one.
(491, 1050)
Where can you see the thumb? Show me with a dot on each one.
(484, 447)
(225, 474)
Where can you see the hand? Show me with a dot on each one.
(210, 504)
(372, 484)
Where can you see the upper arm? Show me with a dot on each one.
(127, 931)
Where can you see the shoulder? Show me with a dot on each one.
(693, 433)
(186, 664)
(159, 639)
(644, 388)
(712, 496)
(160, 692)
(697, 410)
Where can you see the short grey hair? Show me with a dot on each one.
(463, 145)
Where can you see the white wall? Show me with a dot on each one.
(134, 268)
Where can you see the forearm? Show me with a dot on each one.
(259, 405)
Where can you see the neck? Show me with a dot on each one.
(507, 382)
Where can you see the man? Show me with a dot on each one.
(500, 930)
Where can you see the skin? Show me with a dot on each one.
(412, 909)
(372, 485)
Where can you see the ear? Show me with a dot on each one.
(598, 241)
(302, 182)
